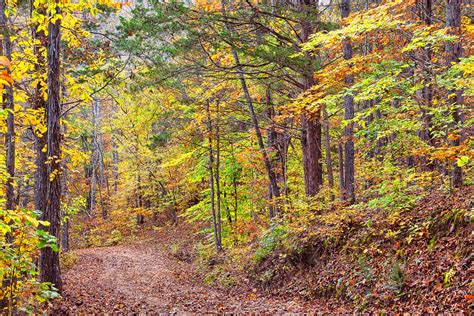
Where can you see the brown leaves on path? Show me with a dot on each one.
(141, 278)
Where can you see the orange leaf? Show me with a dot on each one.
(5, 62)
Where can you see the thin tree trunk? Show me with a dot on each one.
(341, 170)
(327, 139)
(253, 115)
(217, 173)
(65, 215)
(100, 143)
(454, 53)
(115, 155)
(49, 259)
(5, 302)
(425, 9)
(95, 157)
(234, 184)
(349, 154)
(271, 145)
(217, 239)
(8, 105)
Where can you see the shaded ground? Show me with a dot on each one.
(143, 279)
(432, 249)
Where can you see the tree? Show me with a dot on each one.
(9, 105)
(454, 53)
(39, 104)
(349, 190)
(311, 141)
(49, 259)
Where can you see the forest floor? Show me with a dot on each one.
(158, 270)
(143, 278)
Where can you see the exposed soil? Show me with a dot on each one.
(140, 278)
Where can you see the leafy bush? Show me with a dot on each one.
(269, 241)
(20, 241)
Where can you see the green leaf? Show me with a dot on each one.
(462, 161)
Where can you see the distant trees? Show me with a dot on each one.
(303, 74)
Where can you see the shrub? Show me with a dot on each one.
(20, 241)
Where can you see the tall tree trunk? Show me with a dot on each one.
(217, 237)
(39, 104)
(5, 302)
(115, 155)
(327, 138)
(454, 53)
(217, 173)
(253, 115)
(49, 259)
(341, 170)
(425, 9)
(349, 190)
(311, 128)
(271, 145)
(266, 159)
(95, 157)
(65, 215)
(9, 106)
(100, 143)
(234, 184)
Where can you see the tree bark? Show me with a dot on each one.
(9, 106)
(454, 53)
(341, 170)
(311, 128)
(349, 190)
(39, 104)
(327, 139)
(271, 145)
(217, 173)
(95, 176)
(49, 259)
(425, 11)
(115, 155)
(217, 237)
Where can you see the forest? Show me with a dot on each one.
(236, 156)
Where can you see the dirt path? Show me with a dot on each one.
(143, 279)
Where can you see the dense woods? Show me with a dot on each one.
(315, 155)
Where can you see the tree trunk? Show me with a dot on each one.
(217, 173)
(217, 237)
(454, 53)
(271, 145)
(425, 9)
(95, 157)
(327, 139)
(311, 128)
(115, 155)
(341, 170)
(49, 259)
(253, 115)
(39, 104)
(8, 105)
(349, 190)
